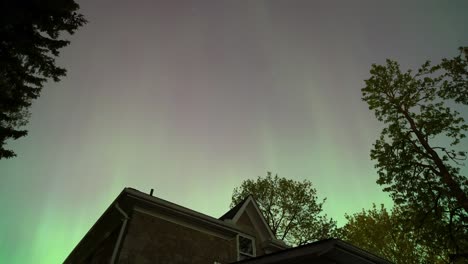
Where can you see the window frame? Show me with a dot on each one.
(245, 254)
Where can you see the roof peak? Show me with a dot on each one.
(233, 211)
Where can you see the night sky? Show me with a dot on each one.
(193, 97)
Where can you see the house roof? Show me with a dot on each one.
(250, 207)
(323, 252)
(231, 213)
(129, 198)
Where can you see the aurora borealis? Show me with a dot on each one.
(191, 98)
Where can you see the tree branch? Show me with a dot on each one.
(447, 178)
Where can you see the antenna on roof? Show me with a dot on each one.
(151, 192)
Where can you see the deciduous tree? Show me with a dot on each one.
(418, 156)
(291, 208)
(392, 236)
(31, 34)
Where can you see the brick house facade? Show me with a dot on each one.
(140, 228)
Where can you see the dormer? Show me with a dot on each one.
(257, 238)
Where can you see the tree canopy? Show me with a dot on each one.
(291, 208)
(392, 236)
(418, 156)
(31, 32)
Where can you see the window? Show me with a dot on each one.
(245, 247)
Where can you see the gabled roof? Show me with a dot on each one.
(325, 251)
(231, 213)
(130, 198)
(250, 207)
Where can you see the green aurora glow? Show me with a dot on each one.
(192, 99)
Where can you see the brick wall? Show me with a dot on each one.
(153, 240)
(103, 253)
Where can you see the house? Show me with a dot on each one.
(140, 228)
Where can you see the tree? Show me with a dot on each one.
(291, 208)
(29, 43)
(392, 236)
(417, 155)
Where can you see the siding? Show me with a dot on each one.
(151, 239)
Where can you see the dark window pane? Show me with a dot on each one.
(245, 245)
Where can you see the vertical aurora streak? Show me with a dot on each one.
(192, 99)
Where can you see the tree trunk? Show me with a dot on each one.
(455, 189)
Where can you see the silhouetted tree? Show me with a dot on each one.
(29, 43)
(291, 208)
(392, 236)
(417, 155)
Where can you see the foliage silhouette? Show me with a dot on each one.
(291, 208)
(417, 155)
(30, 33)
(392, 236)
